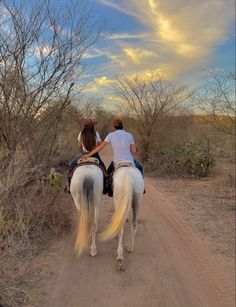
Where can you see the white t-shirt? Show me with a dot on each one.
(98, 139)
(120, 141)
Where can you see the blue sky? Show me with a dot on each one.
(178, 39)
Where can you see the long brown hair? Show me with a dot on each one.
(88, 138)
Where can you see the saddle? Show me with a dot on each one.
(117, 165)
(124, 163)
(88, 161)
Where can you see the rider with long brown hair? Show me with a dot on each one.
(88, 139)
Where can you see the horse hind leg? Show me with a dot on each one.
(120, 257)
(93, 248)
(135, 207)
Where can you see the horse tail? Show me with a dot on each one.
(86, 216)
(121, 213)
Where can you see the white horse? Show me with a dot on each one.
(128, 191)
(86, 189)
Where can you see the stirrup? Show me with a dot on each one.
(67, 189)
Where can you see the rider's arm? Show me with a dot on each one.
(97, 149)
(133, 149)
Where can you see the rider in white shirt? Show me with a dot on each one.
(121, 141)
(123, 146)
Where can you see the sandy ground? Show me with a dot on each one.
(172, 265)
(209, 206)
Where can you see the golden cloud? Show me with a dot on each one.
(187, 30)
(98, 84)
(103, 81)
(137, 55)
(153, 74)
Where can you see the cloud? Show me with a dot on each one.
(113, 5)
(99, 84)
(43, 51)
(183, 32)
(88, 55)
(92, 88)
(121, 36)
(136, 54)
(103, 81)
(152, 74)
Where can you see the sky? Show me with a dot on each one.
(179, 39)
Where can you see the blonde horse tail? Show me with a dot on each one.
(86, 218)
(121, 213)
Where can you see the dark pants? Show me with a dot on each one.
(111, 167)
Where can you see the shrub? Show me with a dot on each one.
(30, 215)
(189, 159)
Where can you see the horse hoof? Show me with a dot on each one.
(119, 266)
(93, 253)
(129, 249)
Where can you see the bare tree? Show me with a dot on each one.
(104, 120)
(42, 43)
(146, 100)
(216, 98)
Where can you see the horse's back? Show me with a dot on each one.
(87, 171)
(91, 172)
(121, 175)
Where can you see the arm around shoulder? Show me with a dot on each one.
(133, 149)
(97, 149)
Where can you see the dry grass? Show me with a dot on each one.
(30, 215)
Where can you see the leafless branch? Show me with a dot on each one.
(147, 101)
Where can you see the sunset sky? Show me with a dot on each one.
(179, 39)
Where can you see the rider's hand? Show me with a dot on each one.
(86, 156)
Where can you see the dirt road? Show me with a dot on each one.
(171, 265)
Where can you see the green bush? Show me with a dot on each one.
(189, 159)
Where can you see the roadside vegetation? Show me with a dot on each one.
(173, 140)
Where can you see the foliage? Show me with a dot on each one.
(190, 159)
